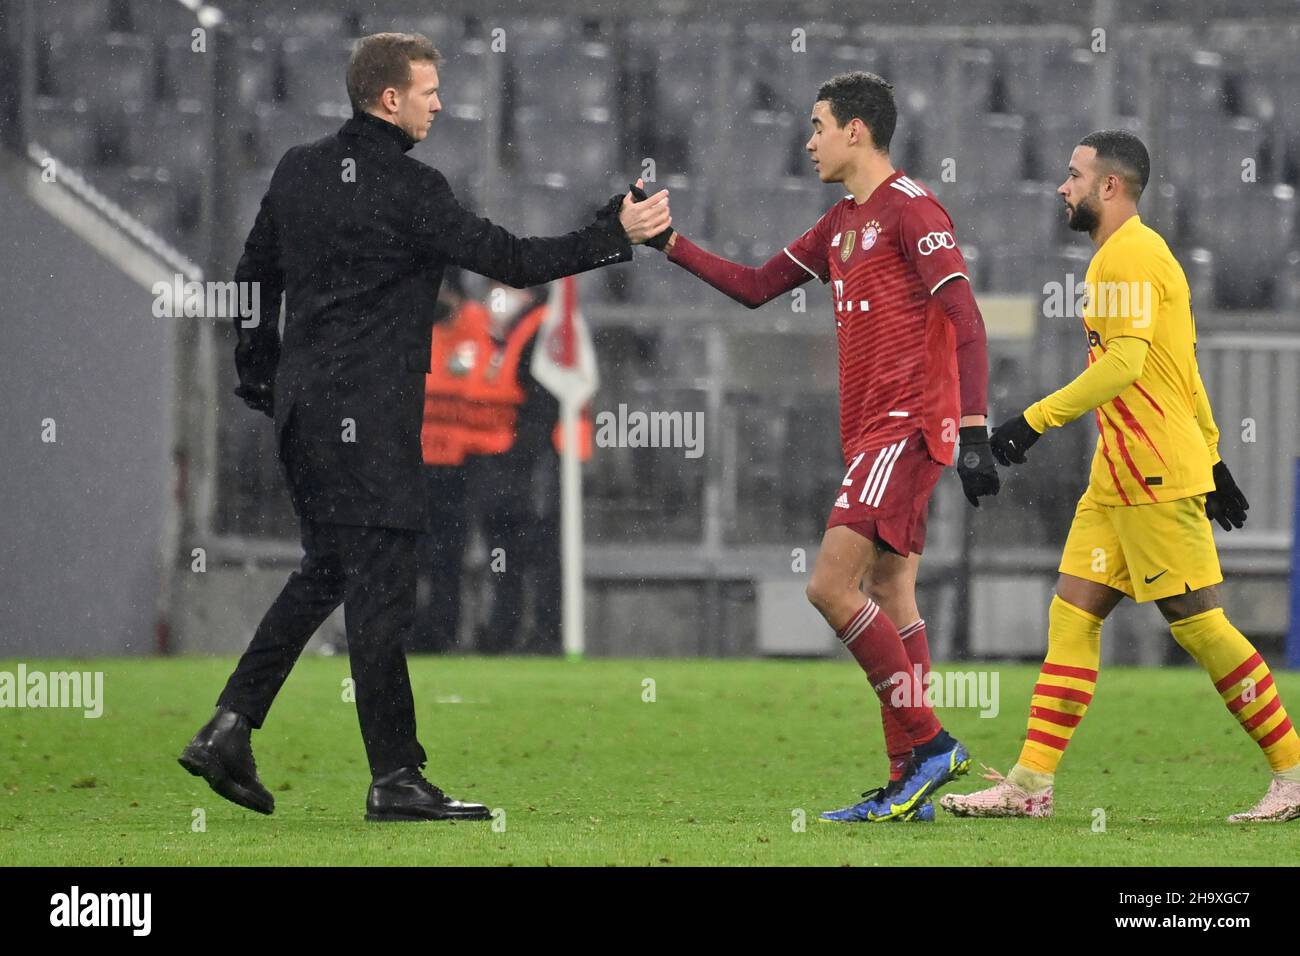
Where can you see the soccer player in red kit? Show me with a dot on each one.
(913, 379)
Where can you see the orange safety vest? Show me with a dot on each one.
(472, 394)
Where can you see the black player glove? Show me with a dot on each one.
(260, 398)
(607, 216)
(975, 466)
(1226, 504)
(1011, 440)
(659, 240)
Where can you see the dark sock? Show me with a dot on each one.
(938, 744)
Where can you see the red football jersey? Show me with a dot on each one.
(898, 365)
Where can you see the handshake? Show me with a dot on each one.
(646, 219)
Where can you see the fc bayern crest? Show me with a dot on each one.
(870, 234)
(846, 245)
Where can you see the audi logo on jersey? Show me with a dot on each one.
(934, 241)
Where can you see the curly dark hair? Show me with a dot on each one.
(864, 96)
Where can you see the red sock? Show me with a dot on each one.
(874, 643)
(898, 743)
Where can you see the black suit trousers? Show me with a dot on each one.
(372, 572)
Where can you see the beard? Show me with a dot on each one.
(1086, 217)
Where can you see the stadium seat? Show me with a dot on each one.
(470, 75)
(1191, 85)
(1049, 142)
(256, 60)
(76, 18)
(1020, 217)
(185, 74)
(322, 25)
(571, 75)
(150, 18)
(1028, 64)
(771, 145)
(1251, 229)
(934, 78)
(787, 77)
(175, 138)
(991, 150)
(577, 148)
(252, 186)
(110, 72)
(442, 29)
(683, 76)
(1020, 271)
(660, 283)
(811, 463)
(1209, 152)
(280, 127)
(552, 204)
(315, 71)
(456, 144)
(1269, 89)
(1066, 87)
(152, 195)
(759, 427)
(68, 130)
(752, 228)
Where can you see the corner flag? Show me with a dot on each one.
(564, 362)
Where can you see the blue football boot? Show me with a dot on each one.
(923, 777)
(876, 806)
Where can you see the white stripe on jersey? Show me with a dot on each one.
(884, 480)
(908, 187)
(801, 265)
(951, 275)
(908, 181)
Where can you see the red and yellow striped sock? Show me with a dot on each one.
(1243, 681)
(1065, 685)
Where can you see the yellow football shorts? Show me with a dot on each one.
(1149, 551)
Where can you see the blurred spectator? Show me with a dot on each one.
(491, 442)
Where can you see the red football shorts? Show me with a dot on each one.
(885, 494)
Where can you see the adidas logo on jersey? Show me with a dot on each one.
(843, 500)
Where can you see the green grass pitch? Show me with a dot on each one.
(716, 769)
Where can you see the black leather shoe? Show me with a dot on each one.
(405, 795)
(222, 754)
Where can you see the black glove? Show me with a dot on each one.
(260, 398)
(607, 216)
(1011, 440)
(975, 466)
(659, 240)
(1226, 504)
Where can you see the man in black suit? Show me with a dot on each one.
(356, 235)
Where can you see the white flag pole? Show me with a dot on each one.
(565, 363)
(571, 532)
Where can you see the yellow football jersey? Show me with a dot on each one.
(1152, 446)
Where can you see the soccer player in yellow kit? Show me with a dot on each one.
(1142, 528)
